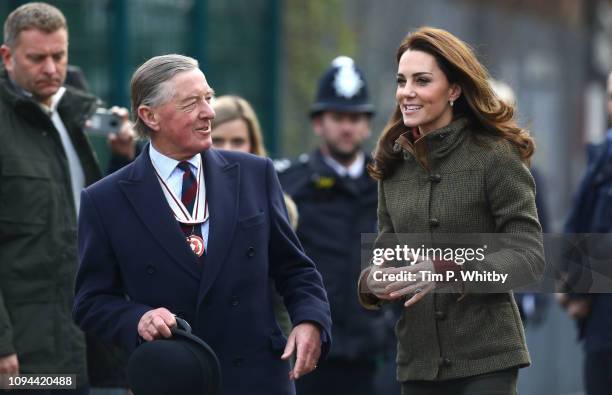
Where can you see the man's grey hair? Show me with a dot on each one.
(40, 16)
(150, 84)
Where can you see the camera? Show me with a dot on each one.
(103, 122)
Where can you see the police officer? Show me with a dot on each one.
(337, 201)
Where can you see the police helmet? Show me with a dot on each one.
(342, 88)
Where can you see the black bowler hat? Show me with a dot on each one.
(342, 88)
(182, 364)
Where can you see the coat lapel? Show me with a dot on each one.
(222, 181)
(143, 191)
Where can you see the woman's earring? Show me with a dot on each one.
(452, 102)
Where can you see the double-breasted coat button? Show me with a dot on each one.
(238, 361)
(434, 222)
(445, 362)
(440, 315)
(150, 269)
(250, 252)
(435, 178)
(234, 301)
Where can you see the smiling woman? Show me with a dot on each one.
(424, 94)
(452, 160)
(439, 79)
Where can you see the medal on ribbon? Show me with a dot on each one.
(182, 215)
(196, 244)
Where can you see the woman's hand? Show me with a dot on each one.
(375, 283)
(396, 282)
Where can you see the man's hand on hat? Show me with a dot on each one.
(306, 337)
(155, 324)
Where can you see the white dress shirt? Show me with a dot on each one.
(355, 170)
(173, 177)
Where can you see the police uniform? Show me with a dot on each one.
(334, 210)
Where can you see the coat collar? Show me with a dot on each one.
(74, 108)
(324, 177)
(444, 140)
(143, 191)
(74, 104)
(433, 145)
(319, 165)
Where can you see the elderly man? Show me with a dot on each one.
(200, 234)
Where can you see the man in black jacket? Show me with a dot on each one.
(45, 161)
(337, 201)
(590, 221)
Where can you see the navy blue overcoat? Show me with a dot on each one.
(133, 258)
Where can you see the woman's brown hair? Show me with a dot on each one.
(229, 108)
(486, 112)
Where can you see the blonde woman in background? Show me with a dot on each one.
(236, 128)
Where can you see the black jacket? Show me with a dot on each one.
(333, 212)
(590, 221)
(38, 250)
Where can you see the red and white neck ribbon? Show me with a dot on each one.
(200, 208)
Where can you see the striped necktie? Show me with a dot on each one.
(189, 190)
(188, 193)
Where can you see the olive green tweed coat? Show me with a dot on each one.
(450, 182)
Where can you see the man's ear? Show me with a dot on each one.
(149, 117)
(316, 122)
(7, 57)
(455, 92)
